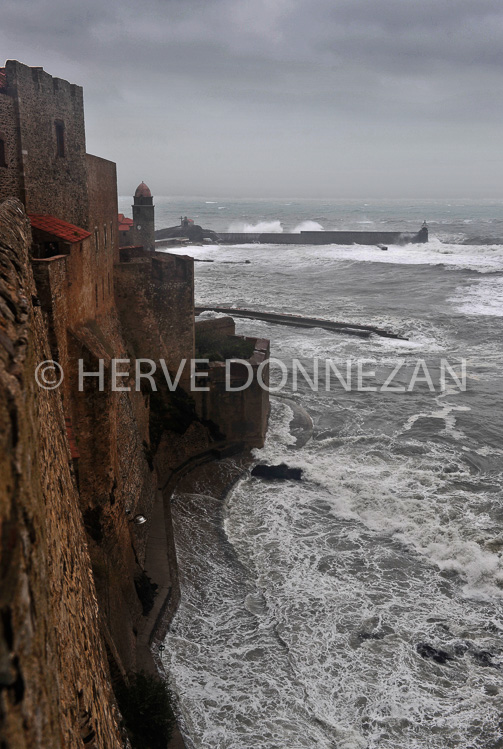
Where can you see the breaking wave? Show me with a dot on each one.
(484, 297)
(308, 226)
(266, 227)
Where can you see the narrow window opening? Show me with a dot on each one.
(96, 240)
(60, 139)
(3, 160)
(105, 235)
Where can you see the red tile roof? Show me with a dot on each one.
(3, 78)
(125, 223)
(58, 228)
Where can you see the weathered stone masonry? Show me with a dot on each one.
(40, 103)
(54, 685)
(75, 466)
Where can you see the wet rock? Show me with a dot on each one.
(281, 471)
(428, 651)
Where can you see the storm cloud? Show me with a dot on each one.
(281, 98)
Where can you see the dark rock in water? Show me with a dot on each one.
(428, 651)
(282, 471)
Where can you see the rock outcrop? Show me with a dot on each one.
(281, 471)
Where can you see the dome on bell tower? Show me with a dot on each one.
(142, 191)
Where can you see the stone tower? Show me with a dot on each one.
(143, 217)
(44, 144)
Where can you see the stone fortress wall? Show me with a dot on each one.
(54, 682)
(241, 413)
(76, 466)
(40, 104)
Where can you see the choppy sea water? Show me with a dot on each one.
(304, 604)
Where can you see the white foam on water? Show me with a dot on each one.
(408, 497)
(351, 603)
(304, 632)
(446, 412)
(484, 297)
(483, 259)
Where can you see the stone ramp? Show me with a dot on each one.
(363, 331)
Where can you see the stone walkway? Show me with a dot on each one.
(158, 569)
(160, 566)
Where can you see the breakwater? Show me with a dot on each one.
(309, 237)
(327, 237)
(363, 331)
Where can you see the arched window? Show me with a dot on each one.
(60, 138)
(3, 155)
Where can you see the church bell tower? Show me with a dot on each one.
(143, 217)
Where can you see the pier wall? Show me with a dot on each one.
(327, 237)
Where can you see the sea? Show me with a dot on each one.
(362, 606)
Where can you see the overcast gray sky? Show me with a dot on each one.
(280, 98)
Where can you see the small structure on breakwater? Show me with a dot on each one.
(187, 229)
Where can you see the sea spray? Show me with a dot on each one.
(307, 226)
(262, 227)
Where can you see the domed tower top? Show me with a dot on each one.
(142, 191)
(143, 218)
